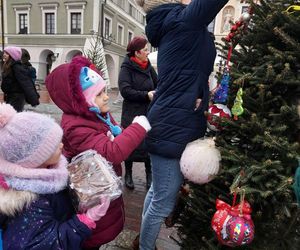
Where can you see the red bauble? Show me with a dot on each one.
(219, 110)
(233, 225)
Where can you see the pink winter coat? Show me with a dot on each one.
(83, 131)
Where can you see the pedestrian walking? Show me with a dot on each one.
(35, 208)
(137, 82)
(16, 84)
(79, 92)
(186, 54)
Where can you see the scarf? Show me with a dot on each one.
(114, 129)
(142, 64)
(42, 185)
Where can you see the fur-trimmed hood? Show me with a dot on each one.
(64, 88)
(13, 201)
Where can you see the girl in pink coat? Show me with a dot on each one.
(79, 92)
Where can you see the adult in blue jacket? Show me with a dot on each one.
(186, 54)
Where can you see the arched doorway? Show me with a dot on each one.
(46, 60)
(111, 71)
(71, 54)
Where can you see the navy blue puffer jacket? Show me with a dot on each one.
(186, 54)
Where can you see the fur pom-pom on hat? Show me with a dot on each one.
(200, 161)
(148, 5)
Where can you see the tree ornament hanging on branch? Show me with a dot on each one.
(233, 224)
(220, 96)
(237, 108)
(221, 93)
(217, 112)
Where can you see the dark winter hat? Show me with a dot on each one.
(136, 44)
(25, 55)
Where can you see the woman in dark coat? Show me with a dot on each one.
(186, 54)
(16, 85)
(137, 81)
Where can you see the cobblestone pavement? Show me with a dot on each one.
(133, 199)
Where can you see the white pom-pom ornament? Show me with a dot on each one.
(200, 161)
(6, 113)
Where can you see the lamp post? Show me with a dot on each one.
(2, 25)
(101, 21)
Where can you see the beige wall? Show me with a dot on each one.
(231, 12)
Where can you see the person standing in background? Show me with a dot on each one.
(186, 54)
(25, 61)
(137, 81)
(16, 84)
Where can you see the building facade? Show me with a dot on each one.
(55, 31)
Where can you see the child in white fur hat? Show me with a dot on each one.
(35, 208)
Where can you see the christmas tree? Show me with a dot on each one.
(95, 52)
(259, 149)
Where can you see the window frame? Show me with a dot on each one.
(45, 22)
(19, 10)
(132, 35)
(109, 27)
(18, 22)
(123, 32)
(70, 13)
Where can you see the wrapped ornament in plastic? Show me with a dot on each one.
(233, 224)
(200, 161)
(92, 176)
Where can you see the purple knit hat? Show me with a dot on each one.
(28, 140)
(14, 52)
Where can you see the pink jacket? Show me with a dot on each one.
(83, 131)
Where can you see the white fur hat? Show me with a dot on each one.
(200, 161)
(148, 5)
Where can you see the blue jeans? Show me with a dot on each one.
(160, 199)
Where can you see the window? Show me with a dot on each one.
(130, 36)
(23, 23)
(75, 23)
(49, 16)
(107, 27)
(75, 12)
(120, 38)
(49, 23)
(22, 18)
(245, 9)
(130, 10)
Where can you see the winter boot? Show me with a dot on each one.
(136, 243)
(148, 174)
(128, 175)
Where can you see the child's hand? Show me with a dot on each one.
(110, 136)
(143, 121)
(95, 213)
